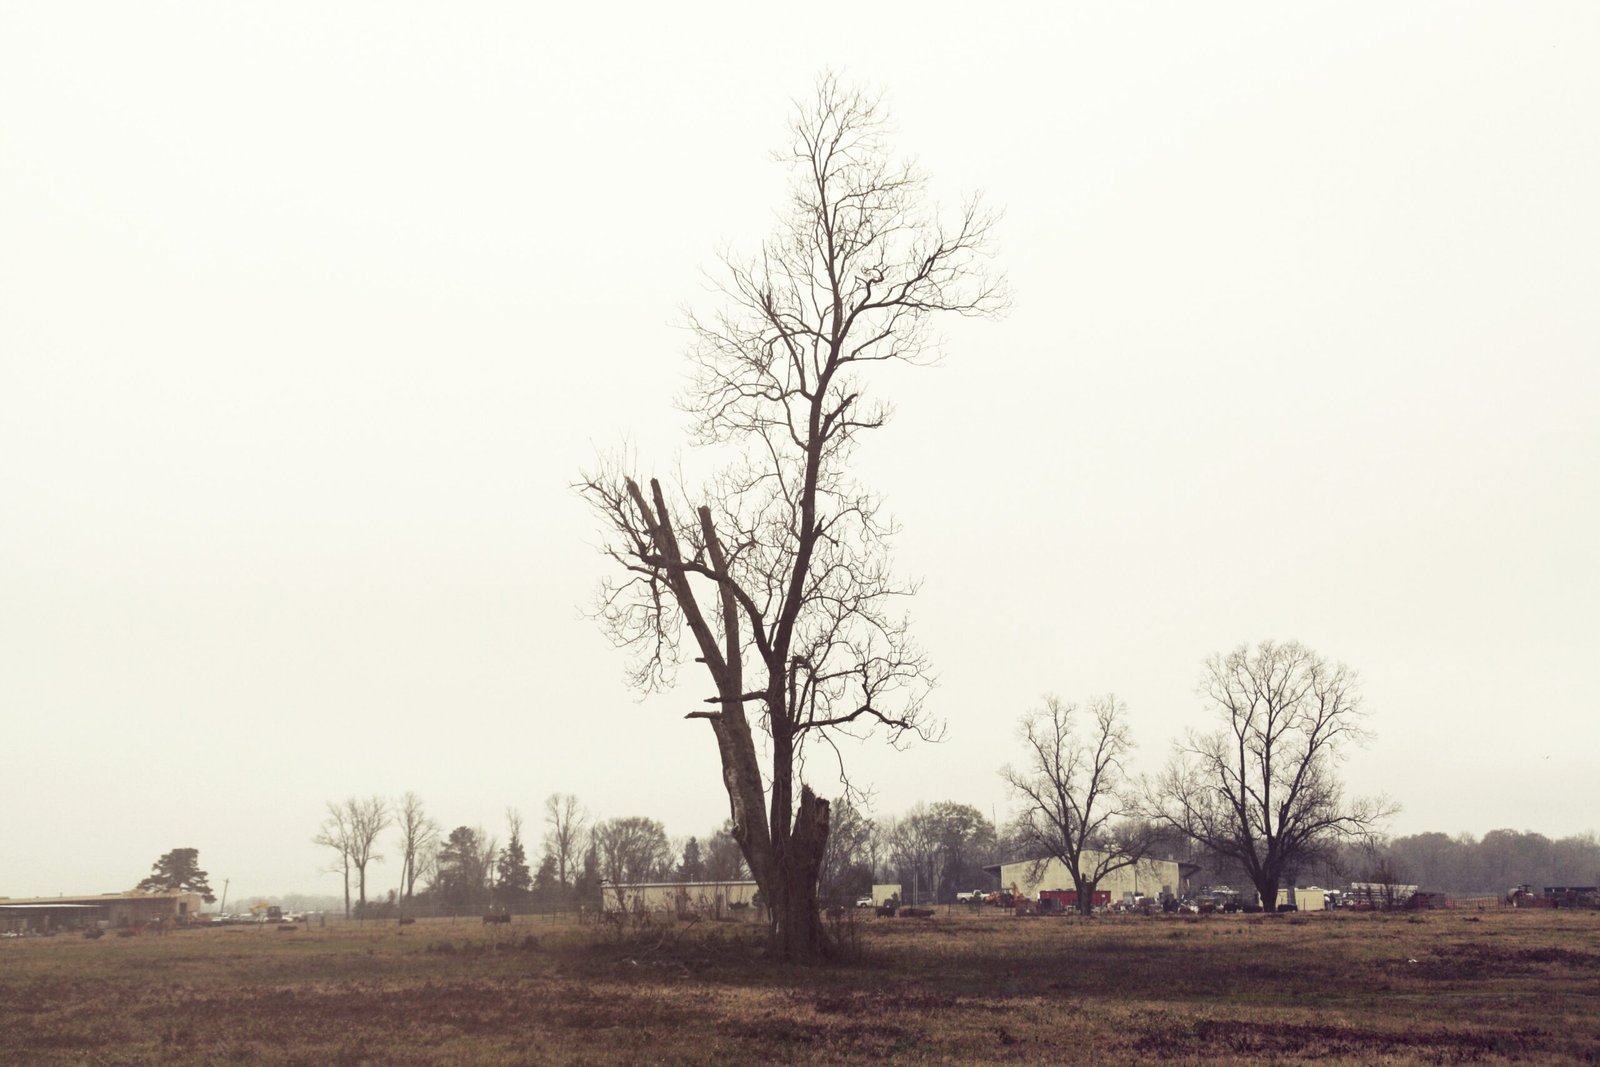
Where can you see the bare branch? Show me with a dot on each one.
(1262, 789)
(779, 569)
(1077, 806)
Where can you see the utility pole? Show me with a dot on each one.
(223, 907)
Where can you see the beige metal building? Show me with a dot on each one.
(1312, 898)
(47, 914)
(1149, 878)
(709, 899)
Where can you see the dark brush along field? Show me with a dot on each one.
(963, 987)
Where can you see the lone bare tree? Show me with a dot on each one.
(566, 827)
(916, 845)
(351, 829)
(335, 834)
(418, 832)
(632, 849)
(1263, 788)
(779, 569)
(368, 819)
(1078, 804)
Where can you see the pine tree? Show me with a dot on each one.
(515, 883)
(180, 870)
(693, 867)
(547, 887)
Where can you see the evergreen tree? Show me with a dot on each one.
(515, 883)
(178, 869)
(586, 887)
(547, 887)
(462, 877)
(692, 869)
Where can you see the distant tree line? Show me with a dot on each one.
(1456, 864)
(1499, 860)
(1254, 803)
(469, 868)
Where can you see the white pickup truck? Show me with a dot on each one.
(977, 896)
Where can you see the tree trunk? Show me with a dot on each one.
(1085, 896)
(785, 858)
(1268, 888)
(797, 931)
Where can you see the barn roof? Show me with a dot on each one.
(96, 899)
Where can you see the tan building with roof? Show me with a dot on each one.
(1147, 878)
(49, 914)
(712, 899)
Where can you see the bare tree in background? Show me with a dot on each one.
(484, 862)
(566, 828)
(937, 843)
(365, 820)
(724, 862)
(917, 843)
(417, 833)
(632, 849)
(335, 834)
(1263, 788)
(427, 871)
(846, 863)
(779, 569)
(1078, 805)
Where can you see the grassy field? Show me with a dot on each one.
(1445, 987)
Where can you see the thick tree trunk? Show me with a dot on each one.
(741, 776)
(784, 857)
(797, 930)
(1085, 896)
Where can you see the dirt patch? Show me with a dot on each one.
(837, 1038)
(978, 988)
(1477, 960)
(1216, 1037)
(832, 1003)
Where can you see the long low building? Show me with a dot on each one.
(49, 914)
(714, 899)
(1147, 878)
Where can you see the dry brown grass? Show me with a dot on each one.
(960, 988)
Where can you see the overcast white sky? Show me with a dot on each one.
(310, 313)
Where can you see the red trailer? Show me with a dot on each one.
(1067, 899)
